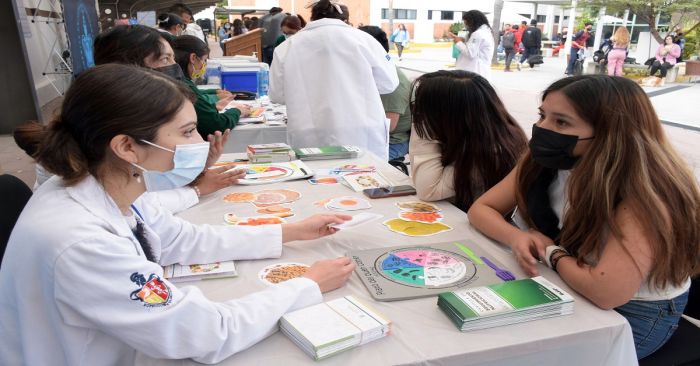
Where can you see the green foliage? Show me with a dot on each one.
(692, 44)
(456, 27)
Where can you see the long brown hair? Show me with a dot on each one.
(477, 135)
(622, 36)
(629, 159)
(103, 102)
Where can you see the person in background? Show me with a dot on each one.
(192, 28)
(342, 106)
(238, 27)
(224, 34)
(400, 39)
(290, 25)
(508, 41)
(532, 42)
(679, 39)
(562, 41)
(666, 56)
(578, 44)
(605, 201)
(254, 23)
(145, 47)
(463, 140)
(397, 106)
(171, 25)
(519, 39)
(191, 55)
(88, 234)
(477, 50)
(616, 56)
(270, 23)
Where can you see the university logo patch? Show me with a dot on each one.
(388, 58)
(153, 292)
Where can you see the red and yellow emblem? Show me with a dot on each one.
(153, 292)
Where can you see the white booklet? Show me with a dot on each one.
(365, 180)
(194, 272)
(325, 329)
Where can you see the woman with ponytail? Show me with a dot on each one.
(606, 202)
(330, 76)
(81, 281)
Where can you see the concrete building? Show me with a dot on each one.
(427, 21)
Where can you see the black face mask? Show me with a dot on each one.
(174, 71)
(552, 149)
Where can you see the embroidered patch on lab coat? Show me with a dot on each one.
(388, 58)
(153, 292)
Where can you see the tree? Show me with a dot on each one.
(496, 28)
(684, 12)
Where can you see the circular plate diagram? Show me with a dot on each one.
(425, 268)
(268, 173)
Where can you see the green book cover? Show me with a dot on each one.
(501, 298)
(326, 150)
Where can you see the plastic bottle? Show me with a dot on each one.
(263, 80)
(213, 73)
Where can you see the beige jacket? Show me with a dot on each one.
(433, 181)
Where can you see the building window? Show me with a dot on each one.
(430, 14)
(541, 18)
(447, 15)
(400, 13)
(556, 19)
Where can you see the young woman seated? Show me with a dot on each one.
(606, 202)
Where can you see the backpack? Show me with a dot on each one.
(508, 40)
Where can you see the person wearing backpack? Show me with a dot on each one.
(532, 42)
(578, 43)
(508, 44)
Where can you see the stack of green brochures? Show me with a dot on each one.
(326, 329)
(327, 152)
(505, 303)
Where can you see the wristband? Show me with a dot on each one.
(556, 260)
(549, 251)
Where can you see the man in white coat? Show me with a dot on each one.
(330, 76)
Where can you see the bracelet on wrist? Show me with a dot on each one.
(197, 191)
(556, 258)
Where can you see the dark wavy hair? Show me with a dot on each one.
(474, 19)
(324, 9)
(463, 113)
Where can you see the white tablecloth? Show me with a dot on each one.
(422, 334)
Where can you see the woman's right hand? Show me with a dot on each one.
(223, 102)
(528, 247)
(330, 274)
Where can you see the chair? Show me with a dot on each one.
(682, 349)
(399, 164)
(15, 195)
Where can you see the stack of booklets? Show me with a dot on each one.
(327, 152)
(195, 272)
(505, 303)
(270, 153)
(326, 329)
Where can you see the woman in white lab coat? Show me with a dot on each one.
(81, 281)
(330, 76)
(476, 52)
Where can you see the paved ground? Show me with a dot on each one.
(676, 104)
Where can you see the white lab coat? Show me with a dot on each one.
(330, 76)
(193, 29)
(69, 276)
(476, 54)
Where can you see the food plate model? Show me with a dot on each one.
(280, 272)
(408, 272)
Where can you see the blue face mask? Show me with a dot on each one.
(189, 161)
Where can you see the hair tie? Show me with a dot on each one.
(336, 4)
